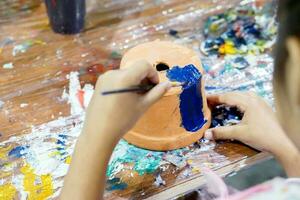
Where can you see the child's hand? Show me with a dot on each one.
(107, 119)
(113, 115)
(259, 127)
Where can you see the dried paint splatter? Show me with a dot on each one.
(8, 65)
(5, 42)
(44, 154)
(223, 75)
(241, 30)
(22, 48)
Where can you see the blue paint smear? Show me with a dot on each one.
(16, 152)
(62, 139)
(224, 115)
(190, 99)
(61, 142)
(63, 136)
(61, 145)
(116, 184)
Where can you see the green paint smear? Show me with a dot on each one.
(143, 161)
(115, 55)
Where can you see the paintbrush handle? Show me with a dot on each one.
(139, 88)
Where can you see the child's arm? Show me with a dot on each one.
(259, 128)
(107, 119)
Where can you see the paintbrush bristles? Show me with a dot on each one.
(177, 84)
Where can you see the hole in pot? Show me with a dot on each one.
(162, 67)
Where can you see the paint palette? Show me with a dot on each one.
(181, 116)
(240, 30)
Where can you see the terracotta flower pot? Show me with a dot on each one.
(167, 125)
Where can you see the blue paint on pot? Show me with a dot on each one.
(191, 106)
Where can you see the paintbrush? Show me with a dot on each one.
(138, 88)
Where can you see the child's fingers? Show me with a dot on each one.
(156, 93)
(140, 70)
(225, 132)
(238, 99)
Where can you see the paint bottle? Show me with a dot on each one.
(66, 16)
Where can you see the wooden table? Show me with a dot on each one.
(38, 77)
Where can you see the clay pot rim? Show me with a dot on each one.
(171, 143)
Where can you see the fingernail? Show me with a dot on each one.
(208, 135)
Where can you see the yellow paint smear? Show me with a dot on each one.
(54, 153)
(4, 152)
(227, 48)
(196, 170)
(7, 192)
(68, 160)
(36, 191)
(39, 42)
(4, 174)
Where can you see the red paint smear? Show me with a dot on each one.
(53, 3)
(80, 96)
(96, 69)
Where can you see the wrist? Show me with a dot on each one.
(280, 143)
(95, 146)
(289, 157)
(285, 149)
(101, 133)
(290, 154)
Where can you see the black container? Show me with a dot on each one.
(66, 16)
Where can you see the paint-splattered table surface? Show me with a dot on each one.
(46, 82)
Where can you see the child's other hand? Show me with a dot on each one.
(259, 127)
(113, 115)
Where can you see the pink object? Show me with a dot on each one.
(215, 183)
(80, 95)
